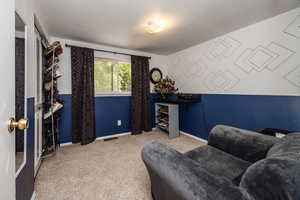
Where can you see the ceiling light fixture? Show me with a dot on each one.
(153, 27)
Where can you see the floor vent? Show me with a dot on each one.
(108, 139)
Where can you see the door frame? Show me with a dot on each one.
(25, 92)
(38, 103)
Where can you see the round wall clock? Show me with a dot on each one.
(155, 75)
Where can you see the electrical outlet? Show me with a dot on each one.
(119, 122)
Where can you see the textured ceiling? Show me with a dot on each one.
(119, 22)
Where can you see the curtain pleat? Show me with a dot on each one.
(140, 94)
(83, 98)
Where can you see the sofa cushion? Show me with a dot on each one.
(289, 146)
(177, 177)
(275, 178)
(244, 144)
(218, 162)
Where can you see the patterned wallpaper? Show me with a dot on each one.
(263, 59)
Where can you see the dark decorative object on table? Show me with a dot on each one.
(182, 98)
(155, 75)
(188, 97)
(165, 87)
(274, 131)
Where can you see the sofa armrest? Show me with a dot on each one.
(247, 145)
(177, 177)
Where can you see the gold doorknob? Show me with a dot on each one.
(22, 124)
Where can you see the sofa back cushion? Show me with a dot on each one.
(275, 178)
(244, 144)
(288, 147)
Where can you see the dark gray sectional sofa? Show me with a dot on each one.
(235, 165)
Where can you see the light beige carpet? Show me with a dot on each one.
(111, 170)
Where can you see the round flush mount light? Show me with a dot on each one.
(153, 27)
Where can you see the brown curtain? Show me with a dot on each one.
(140, 94)
(83, 100)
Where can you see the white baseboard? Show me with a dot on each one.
(66, 144)
(33, 197)
(99, 138)
(194, 137)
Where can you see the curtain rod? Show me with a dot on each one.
(126, 54)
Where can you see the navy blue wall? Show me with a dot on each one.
(25, 180)
(252, 112)
(108, 111)
(65, 123)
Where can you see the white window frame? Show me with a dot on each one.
(112, 57)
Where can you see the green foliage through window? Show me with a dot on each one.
(112, 76)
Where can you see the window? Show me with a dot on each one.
(112, 77)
